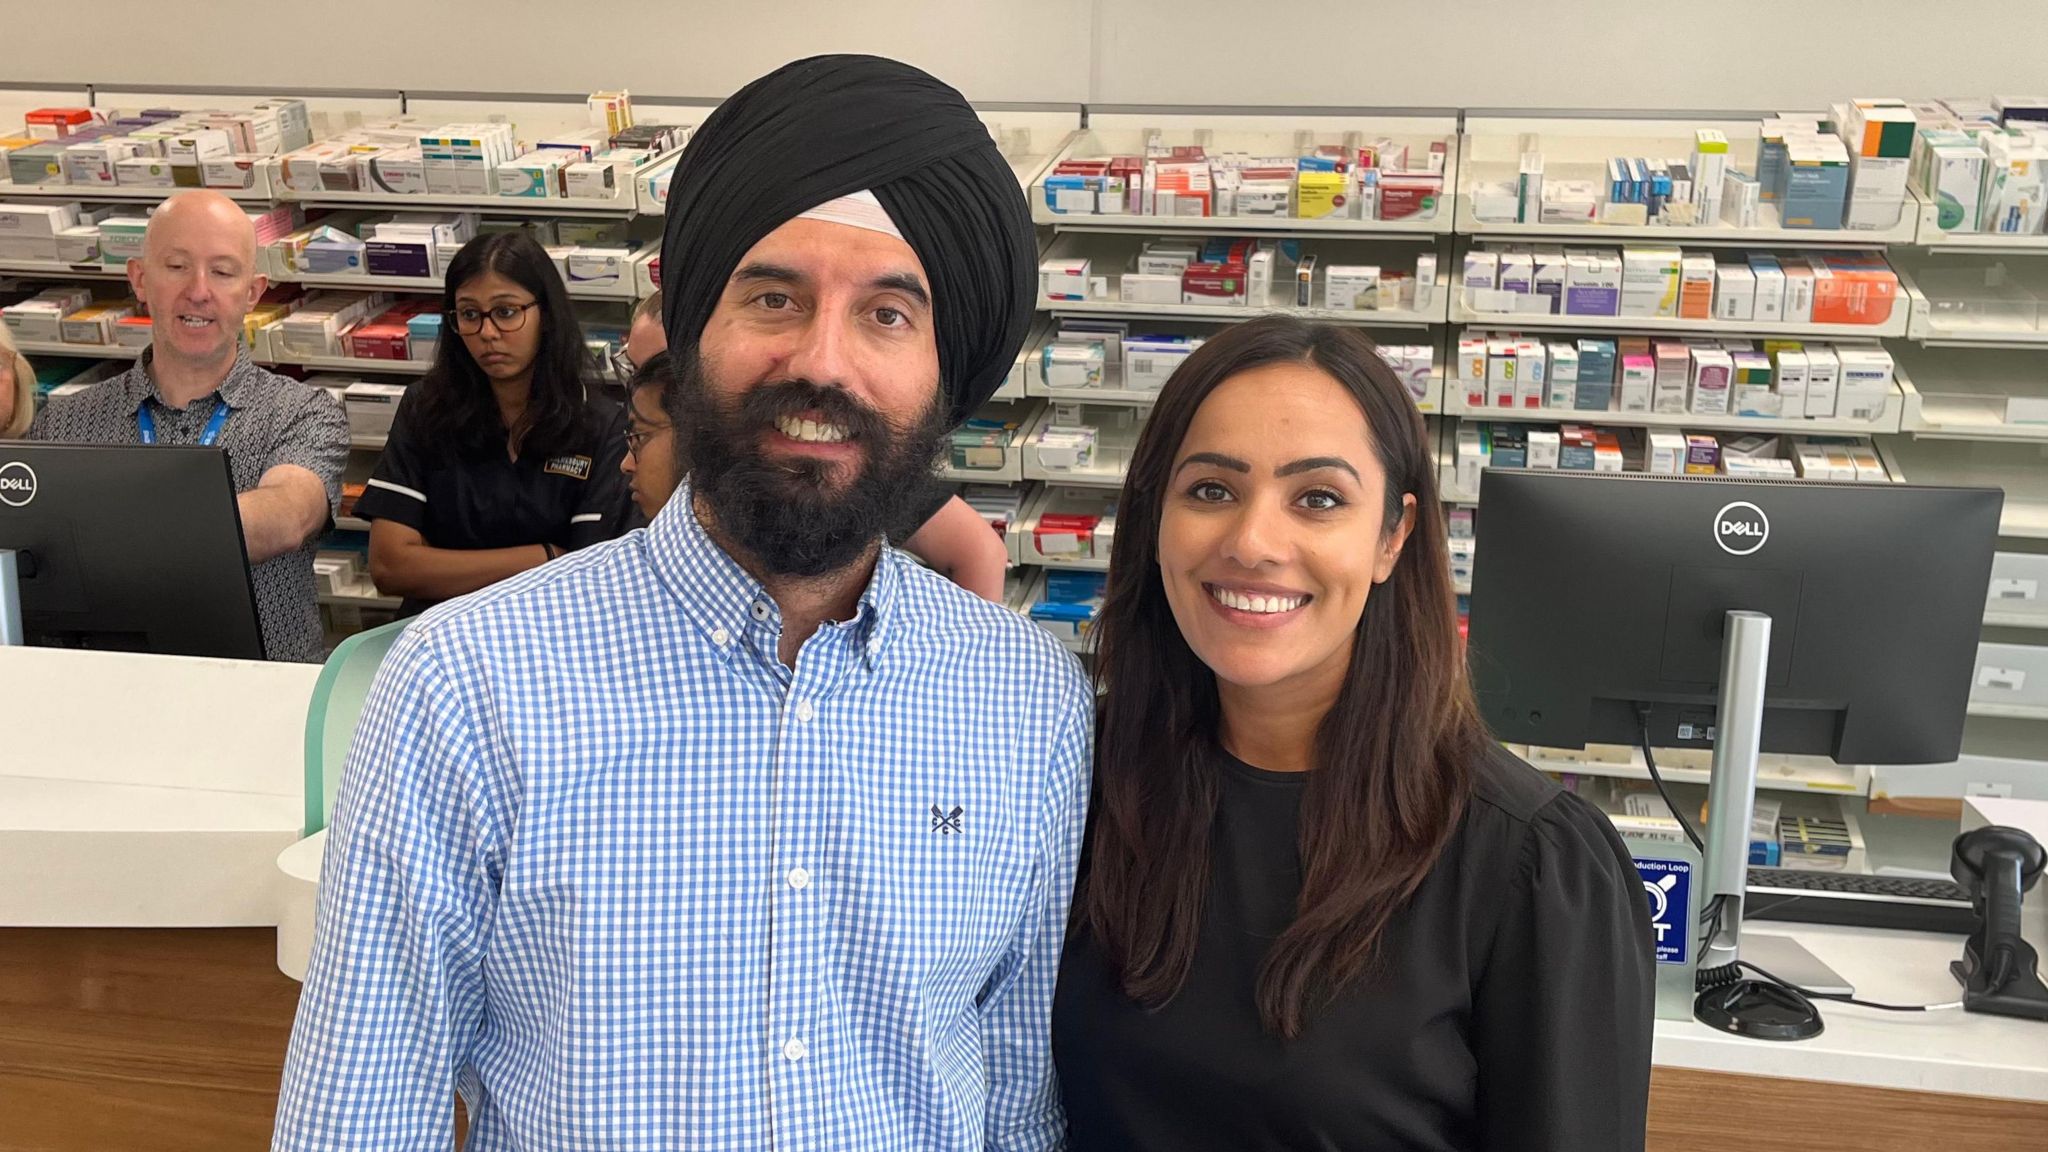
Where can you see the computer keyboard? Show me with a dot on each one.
(1863, 901)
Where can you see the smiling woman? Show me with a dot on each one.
(1322, 908)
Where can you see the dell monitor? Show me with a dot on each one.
(124, 548)
(1827, 619)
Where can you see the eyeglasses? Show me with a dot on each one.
(503, 317)
(638, 440)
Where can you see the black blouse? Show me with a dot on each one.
(571, 499)
(1512, 1008)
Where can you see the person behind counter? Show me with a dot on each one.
(286, 442)
(501, 458)
(17, 389)
(1321, 907)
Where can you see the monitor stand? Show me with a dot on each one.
(11, 629)
(1731, 806)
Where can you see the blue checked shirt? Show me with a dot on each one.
(605, 865)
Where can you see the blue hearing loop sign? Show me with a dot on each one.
(1667, 884)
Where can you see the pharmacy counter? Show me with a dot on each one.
(147, 791)
(1948, 1052)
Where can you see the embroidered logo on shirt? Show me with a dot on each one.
(947, 823)
(574, 467)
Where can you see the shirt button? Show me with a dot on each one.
(760, 609)
(721, 637)
(805, 713)
(794, 1050)
(799, 879)
(874, 647)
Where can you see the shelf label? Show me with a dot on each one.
(2004, 679)
(1991, 791)
(2012, 588)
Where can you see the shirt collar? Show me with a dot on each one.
(722, 599)
(234, 388)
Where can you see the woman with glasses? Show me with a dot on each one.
(500, 458)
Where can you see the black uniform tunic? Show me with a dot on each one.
(570, 498)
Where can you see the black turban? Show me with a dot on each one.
(827, 127)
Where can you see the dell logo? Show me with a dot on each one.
(17, 484)
(1741, 528)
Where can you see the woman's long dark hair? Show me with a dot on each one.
(454, 402)
(1392, 764)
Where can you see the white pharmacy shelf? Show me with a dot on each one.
(67, 348)
(1017, 385)
(625, 289)
(1112, 456)
(1577, 149)
(354, 364)
(351, 524)
(1119, 133)
(1112, 391)
(1768, 234)
(1932, 324)
(1963, 397)
(1134, 225)
(57, 270)
(1031, 590)
(1993, 618)
(1449, 491)
(1776, 773)
(1894, 325)
(1929, 235)
(2009, 711)
(1023, 536)
(1011, 470)
(2019, 468)
(368, 442)
(1386, 318)
(111, 193)
(623, 204)
(1455, 404)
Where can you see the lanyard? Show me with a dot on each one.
(146, 424)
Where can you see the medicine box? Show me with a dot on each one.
(1770, 289)
(1502, 367)
(599, 267)
(1576, 448)
(1823, 377)
(1666, 453)
(1530, 369)
(1150, 360)
(1734, 292)
(1471, 370)
(370, 407)
(1702, 455)
(1063, 279)
(1649, 282)
(1544, 448)
(1674, 377)
(1638, 382)
(94, 323)
(1563, 372)
(1713, 374)
(1595, 392)
(1592, 284)
(1351, 287)
(1865, 386)
(1751, 393)
(1791, 378)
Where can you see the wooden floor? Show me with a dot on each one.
(134, 1039)
(169, 1041)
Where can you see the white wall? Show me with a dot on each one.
(1744, 54)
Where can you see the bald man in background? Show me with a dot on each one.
(195, 384)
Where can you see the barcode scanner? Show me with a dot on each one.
(1996, 867)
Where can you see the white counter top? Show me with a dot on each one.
(1964, 1053)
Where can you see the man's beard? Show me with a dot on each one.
(800, 517)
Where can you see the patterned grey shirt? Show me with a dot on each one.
(275, 420)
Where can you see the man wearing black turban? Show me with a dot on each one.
(743, 831)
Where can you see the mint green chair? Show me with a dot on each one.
(331, 718)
